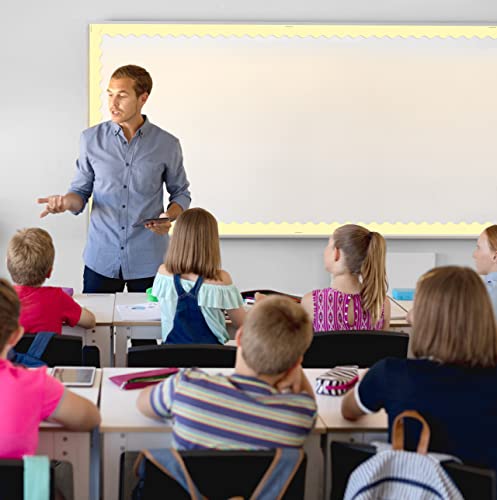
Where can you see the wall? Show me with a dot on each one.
(43, 85)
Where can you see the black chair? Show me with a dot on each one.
(62, 350)
(183, 356)
(362, 348)
(12, 478)
(217, 474)
(473, 482)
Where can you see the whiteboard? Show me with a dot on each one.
(321, 130)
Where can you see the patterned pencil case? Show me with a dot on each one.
(337, 381)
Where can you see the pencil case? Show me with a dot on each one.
(337, 381)
(138, 380)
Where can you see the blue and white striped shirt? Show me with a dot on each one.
(126, 181)
(235, 412)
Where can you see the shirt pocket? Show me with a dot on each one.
(146, 177)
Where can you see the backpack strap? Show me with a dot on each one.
(279, 474)
(169, 461)
(398, 431)
(36, 478)
(39, 344)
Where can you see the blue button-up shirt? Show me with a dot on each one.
(491, 282)
(126, 181)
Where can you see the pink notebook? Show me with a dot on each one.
(138, 380)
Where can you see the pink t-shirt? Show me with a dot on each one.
(46, 309)
(28, 397)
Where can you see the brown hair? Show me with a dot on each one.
(9, 311)
(276, 332)
(30, 256)
(491, 232)
(453, 318)
(194, 246)
(140, 76)
(365, 255)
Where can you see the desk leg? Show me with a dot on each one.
(114, 444)
(101, 337)
(121, 344)
(314, 470)
(72, 447)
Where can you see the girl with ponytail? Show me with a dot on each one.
(357, 298)
(485, 257)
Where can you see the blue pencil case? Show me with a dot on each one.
(403, 293)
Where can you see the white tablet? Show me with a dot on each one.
(76, 376)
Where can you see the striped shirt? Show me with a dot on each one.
(232, 412)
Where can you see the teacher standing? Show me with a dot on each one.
(125, 163)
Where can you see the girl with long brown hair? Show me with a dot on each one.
(357, 298)
(192, 289)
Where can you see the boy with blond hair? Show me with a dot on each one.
(268, 401)
(30, 259)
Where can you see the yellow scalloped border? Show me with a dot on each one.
(397, 229)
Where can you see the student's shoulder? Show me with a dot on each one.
(162, 271)
(224, 278)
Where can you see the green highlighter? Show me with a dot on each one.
(150, 297)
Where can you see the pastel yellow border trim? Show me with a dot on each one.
(98, 31)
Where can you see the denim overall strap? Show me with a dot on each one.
(189, 325)
(279, 474)
(170, 462)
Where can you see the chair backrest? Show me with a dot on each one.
(12, 479)
(183, 356)
(362, 348)
(62, 350)
(217, 474)
(473, 482)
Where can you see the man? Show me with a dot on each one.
(124, 164)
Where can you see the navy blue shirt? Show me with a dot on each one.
(126, 181)
(459, 404)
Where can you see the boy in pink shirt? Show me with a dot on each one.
(31, 395)
(30, 258)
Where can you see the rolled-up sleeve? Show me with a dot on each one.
(175, 179)
(82, 183)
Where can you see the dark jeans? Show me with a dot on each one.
(96, 283)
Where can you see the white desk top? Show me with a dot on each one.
(129, 299)
(329, 408)
(119, 412)
(399, 312)
(92, 393)
(100, 304)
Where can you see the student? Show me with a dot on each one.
(267, 403)
(192, 289)
(485, 257)
(30, 259)
(357, 298)
(452, 375)
(31, 395)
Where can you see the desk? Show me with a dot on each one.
(368, 428)
(398, 321)
(79, 448)
(124, 428)
(102, 305)
(128, 329)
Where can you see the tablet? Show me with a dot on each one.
(75, 376)
(157, 220)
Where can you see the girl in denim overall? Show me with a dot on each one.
(192, 289)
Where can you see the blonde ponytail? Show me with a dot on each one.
(374, 277)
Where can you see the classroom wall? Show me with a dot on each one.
(43, 85)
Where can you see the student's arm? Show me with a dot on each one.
(308, 305)
(387, 313)
(56, 204)
(296, 381)
(350, 408)
(75, 413)
(87, 319)
(144, 405)
(237, 316)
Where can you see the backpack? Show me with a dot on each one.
(32, 358)
(272, 485)
(402, 474)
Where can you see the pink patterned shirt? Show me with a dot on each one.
(331, 312)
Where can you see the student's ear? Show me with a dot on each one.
(143, 98)
(336, 254)
(49, 274)
(238, 336)
(15, 336)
